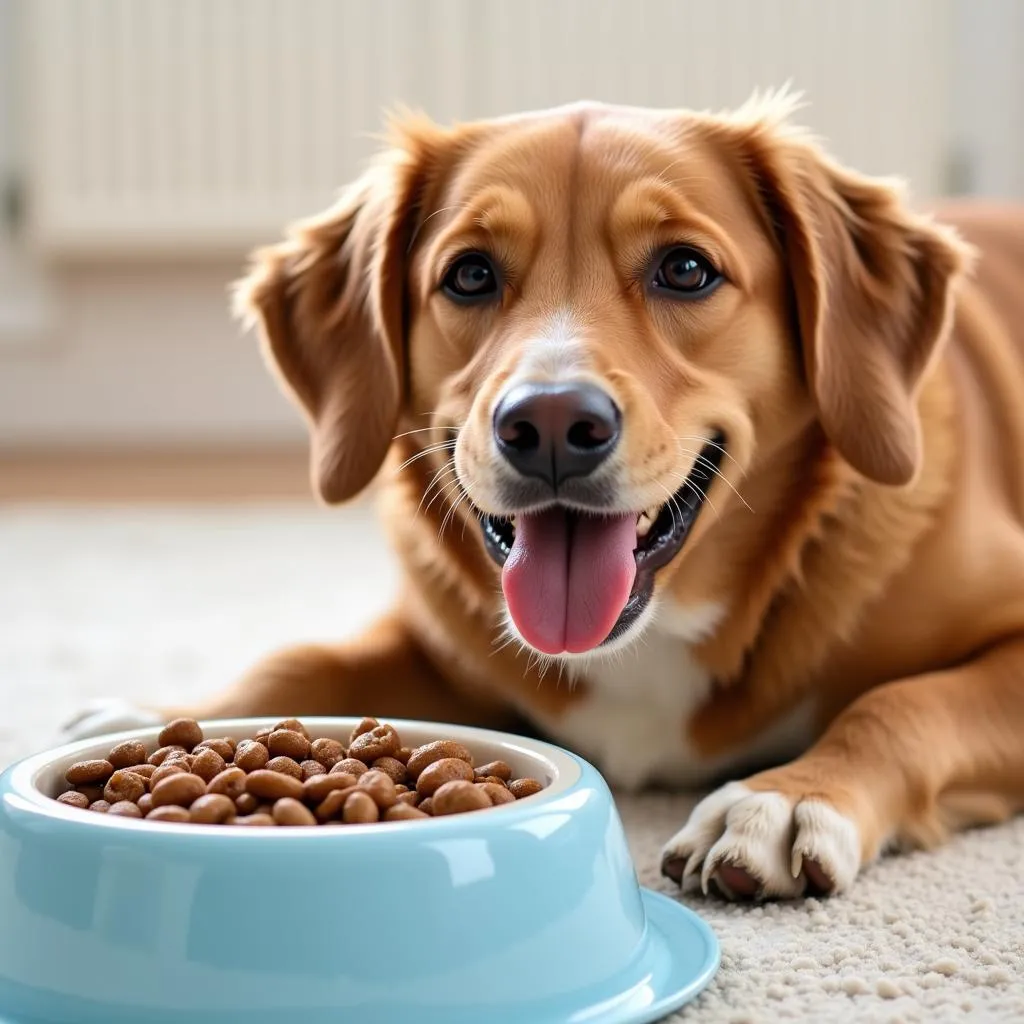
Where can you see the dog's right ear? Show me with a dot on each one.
(330, 303)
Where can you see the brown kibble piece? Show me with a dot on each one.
(184, 732)
(290, 812)
(126, 754)
(331, 806)
(292, 725)
(380, 742)
(366, 725)
(350, 766)
(403, 812)
(74, 799)
(492, 779)
(286, 766)
(124, 785)
(100, 806)
(391, 767)
(158, 756)
(212, 809)
(168, 813)
(229, 783)
(145, 803)
(327, 752)
(520, 788)
(246, 803)
(403, 754)
(263, 736)
(437, 773)
(271, 785)
(86, 773)
(178, 791)
(412, 798)
(426, 806)
(310, 768)
(360, 809)
(255, 819)
(125, 809)
(165, 771)
(315, 790)
(250, 756)
(207, 764)
(285, 743)
(222, 746)
(499, 769)
(380, 787)
(459, 796)
(497, 793)
(91, 793)
(439, 750)
(144, 770)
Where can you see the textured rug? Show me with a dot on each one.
(169, 603)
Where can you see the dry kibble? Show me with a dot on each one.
(497, 794)
(159, 756)
(207, 764)
(426, 806)
(145, 803)
(459, 796)
(212, 809)
(100, 806)
(286, 743)
(380, 787)
(255, 819)
(360, 809)
(74, 799)
(251, 755)
(364, 726)
(310, 768)
(496, 768)
(382, 741)
(291, 812)
(271, 785)
(168, 814)
(439, 750)
(263, 736)
(182, 732)
(229, 783)
(350, 766)
(91, 793)
(493, 779)
(86, 773)
(178, 791)
(412, 798)
(286, 766)
(403, 812)
(437, 773)
(127, 754)
(391, 767)
(331, 806)
(316, 789)
(181, 758)
(246, 803)
(144, 770)
(403, 754)
(125, 809)
(524, 787)
(165, 771)
(223, 746)
(124, 785)
(327, 752)
(292, 725)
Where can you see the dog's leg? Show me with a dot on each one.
(903, 765)
(384, 672)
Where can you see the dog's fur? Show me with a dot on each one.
(852, 597)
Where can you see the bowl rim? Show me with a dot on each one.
(19, 782)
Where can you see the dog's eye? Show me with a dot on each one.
(471, 278)
(685, 272)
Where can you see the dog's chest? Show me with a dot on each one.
(633, 721)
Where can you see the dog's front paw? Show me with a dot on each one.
(764, 844)
(105, 716)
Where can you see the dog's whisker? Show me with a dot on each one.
(423, 453)
(704, 463)
(418, 430)
(709, 444)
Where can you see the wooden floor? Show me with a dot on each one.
(155, 476)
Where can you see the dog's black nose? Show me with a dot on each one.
(556, 431)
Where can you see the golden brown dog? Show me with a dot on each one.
(705, 453)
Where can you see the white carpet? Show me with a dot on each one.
(169, 603)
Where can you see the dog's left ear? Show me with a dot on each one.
(873, 286)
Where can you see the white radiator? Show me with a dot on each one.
(183, 126)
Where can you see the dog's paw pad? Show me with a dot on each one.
(106, 716)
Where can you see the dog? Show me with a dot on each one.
(701, 453)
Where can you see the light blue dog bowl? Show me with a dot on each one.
(529, 913)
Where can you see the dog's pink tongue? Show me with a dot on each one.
(567, 581)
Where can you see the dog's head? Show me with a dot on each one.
(606, 317)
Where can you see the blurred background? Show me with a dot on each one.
(145, 145)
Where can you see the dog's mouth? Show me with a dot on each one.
(574, 580)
